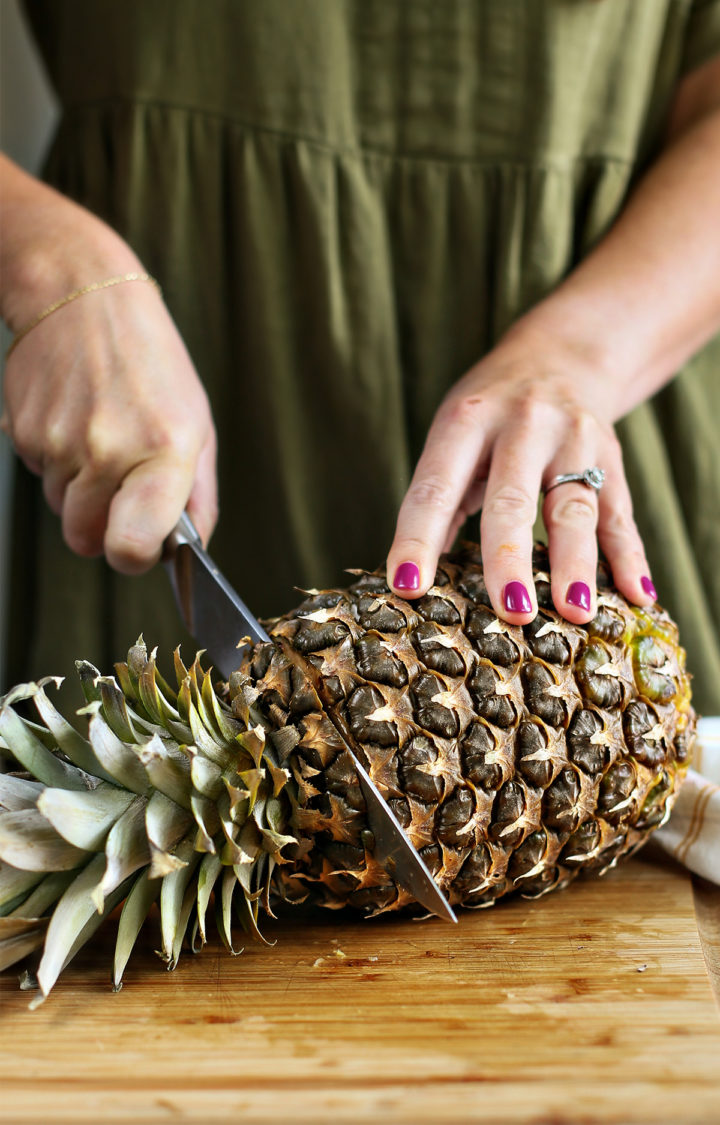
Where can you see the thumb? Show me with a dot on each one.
(144, 511)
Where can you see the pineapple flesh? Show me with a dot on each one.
(514, 757)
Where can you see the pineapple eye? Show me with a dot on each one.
(543, 594)
(560, 803)
(313, 636)
(401, 809)
(472, 585)
(427, 642)
(498, 647)
(345, 857)
(375, 663)
(551, 646)
(475, 871)
(641, 720)
(304, 697)
(374, 613)
(532, 761)
(418, 753)
(653, 807)
(583, 841)
(373, 584)
(607, 624)
(508, 808)
(261, 659)
(499, 709)
(325, 600)
(441, 577)
(616, 788)
(360, 707)
(591, 756)
(531, 852)
(651, 666)
(432, 856)
(597, 684)
(429, 715)
(476, 748)
(439, 610)
(453, 818)
(538, 681)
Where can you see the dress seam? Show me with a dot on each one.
(361, 152)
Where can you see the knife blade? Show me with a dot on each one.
(218, 619)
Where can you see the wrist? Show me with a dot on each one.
(49, 247)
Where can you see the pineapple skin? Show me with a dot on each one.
(514, 757)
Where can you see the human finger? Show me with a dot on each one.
(144, 511)
(619, 536)
(446, 468)
(570, 513)
(85, 506)
(508, 516)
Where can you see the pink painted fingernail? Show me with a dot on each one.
(648, 587)
(516, 598)
(407, 577)
(578, 593)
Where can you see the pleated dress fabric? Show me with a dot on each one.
(347, 202)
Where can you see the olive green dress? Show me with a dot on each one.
(346, 203)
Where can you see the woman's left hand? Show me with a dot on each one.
(529, 411)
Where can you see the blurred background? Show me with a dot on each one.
(27, 116)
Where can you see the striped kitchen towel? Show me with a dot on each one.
(692, 834)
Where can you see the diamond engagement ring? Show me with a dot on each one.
(591, 478)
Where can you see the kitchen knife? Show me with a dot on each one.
(218, 619)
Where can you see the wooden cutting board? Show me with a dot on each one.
(592, 1005)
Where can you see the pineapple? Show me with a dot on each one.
(514, 757)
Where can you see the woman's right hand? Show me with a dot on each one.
(101, 399)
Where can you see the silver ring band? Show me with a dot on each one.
(592, 478)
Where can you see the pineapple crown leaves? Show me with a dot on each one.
(173, 795)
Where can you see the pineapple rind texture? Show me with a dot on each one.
(514, 758)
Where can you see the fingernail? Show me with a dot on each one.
(407, 577)
(516, 598)
(648, 587)
(578, 593)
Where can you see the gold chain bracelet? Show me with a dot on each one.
(92, 288)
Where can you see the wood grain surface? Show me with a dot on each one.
(592, 1005)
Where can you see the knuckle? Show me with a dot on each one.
(430, 492)
(581, 425)
(56, 440)
(510, 500)
(574, 510)
(173, 442)
(533, 409)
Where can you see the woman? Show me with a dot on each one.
(482, 235)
